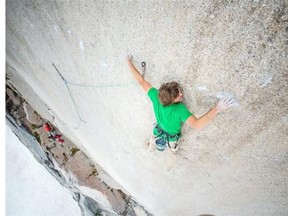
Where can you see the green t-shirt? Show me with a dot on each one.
(170, 118)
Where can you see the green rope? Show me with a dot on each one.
(79, 118)
(87, 86)
(102, 85)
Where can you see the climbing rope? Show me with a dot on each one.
(70, 94)
(67, 83)
(101, 86)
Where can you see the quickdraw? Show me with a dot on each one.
(143, 66)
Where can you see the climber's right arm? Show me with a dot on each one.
(144, 84)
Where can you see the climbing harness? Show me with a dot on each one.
(162, 139)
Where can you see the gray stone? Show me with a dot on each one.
(237, 165)
(31, 115)
(15, 99)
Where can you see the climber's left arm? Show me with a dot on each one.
(144, 84)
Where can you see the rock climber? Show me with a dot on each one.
(171, 113)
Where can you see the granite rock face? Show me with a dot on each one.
(31, 116)
(68, 164)
(67, 59)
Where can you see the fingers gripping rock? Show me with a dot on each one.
(225, 103)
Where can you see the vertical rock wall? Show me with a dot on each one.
(235, 166)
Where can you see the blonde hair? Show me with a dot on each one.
(168, 92)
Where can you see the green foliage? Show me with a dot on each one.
(35, 127)
(37, 136)
(94, 172)
(98, 213)
(73, 151)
